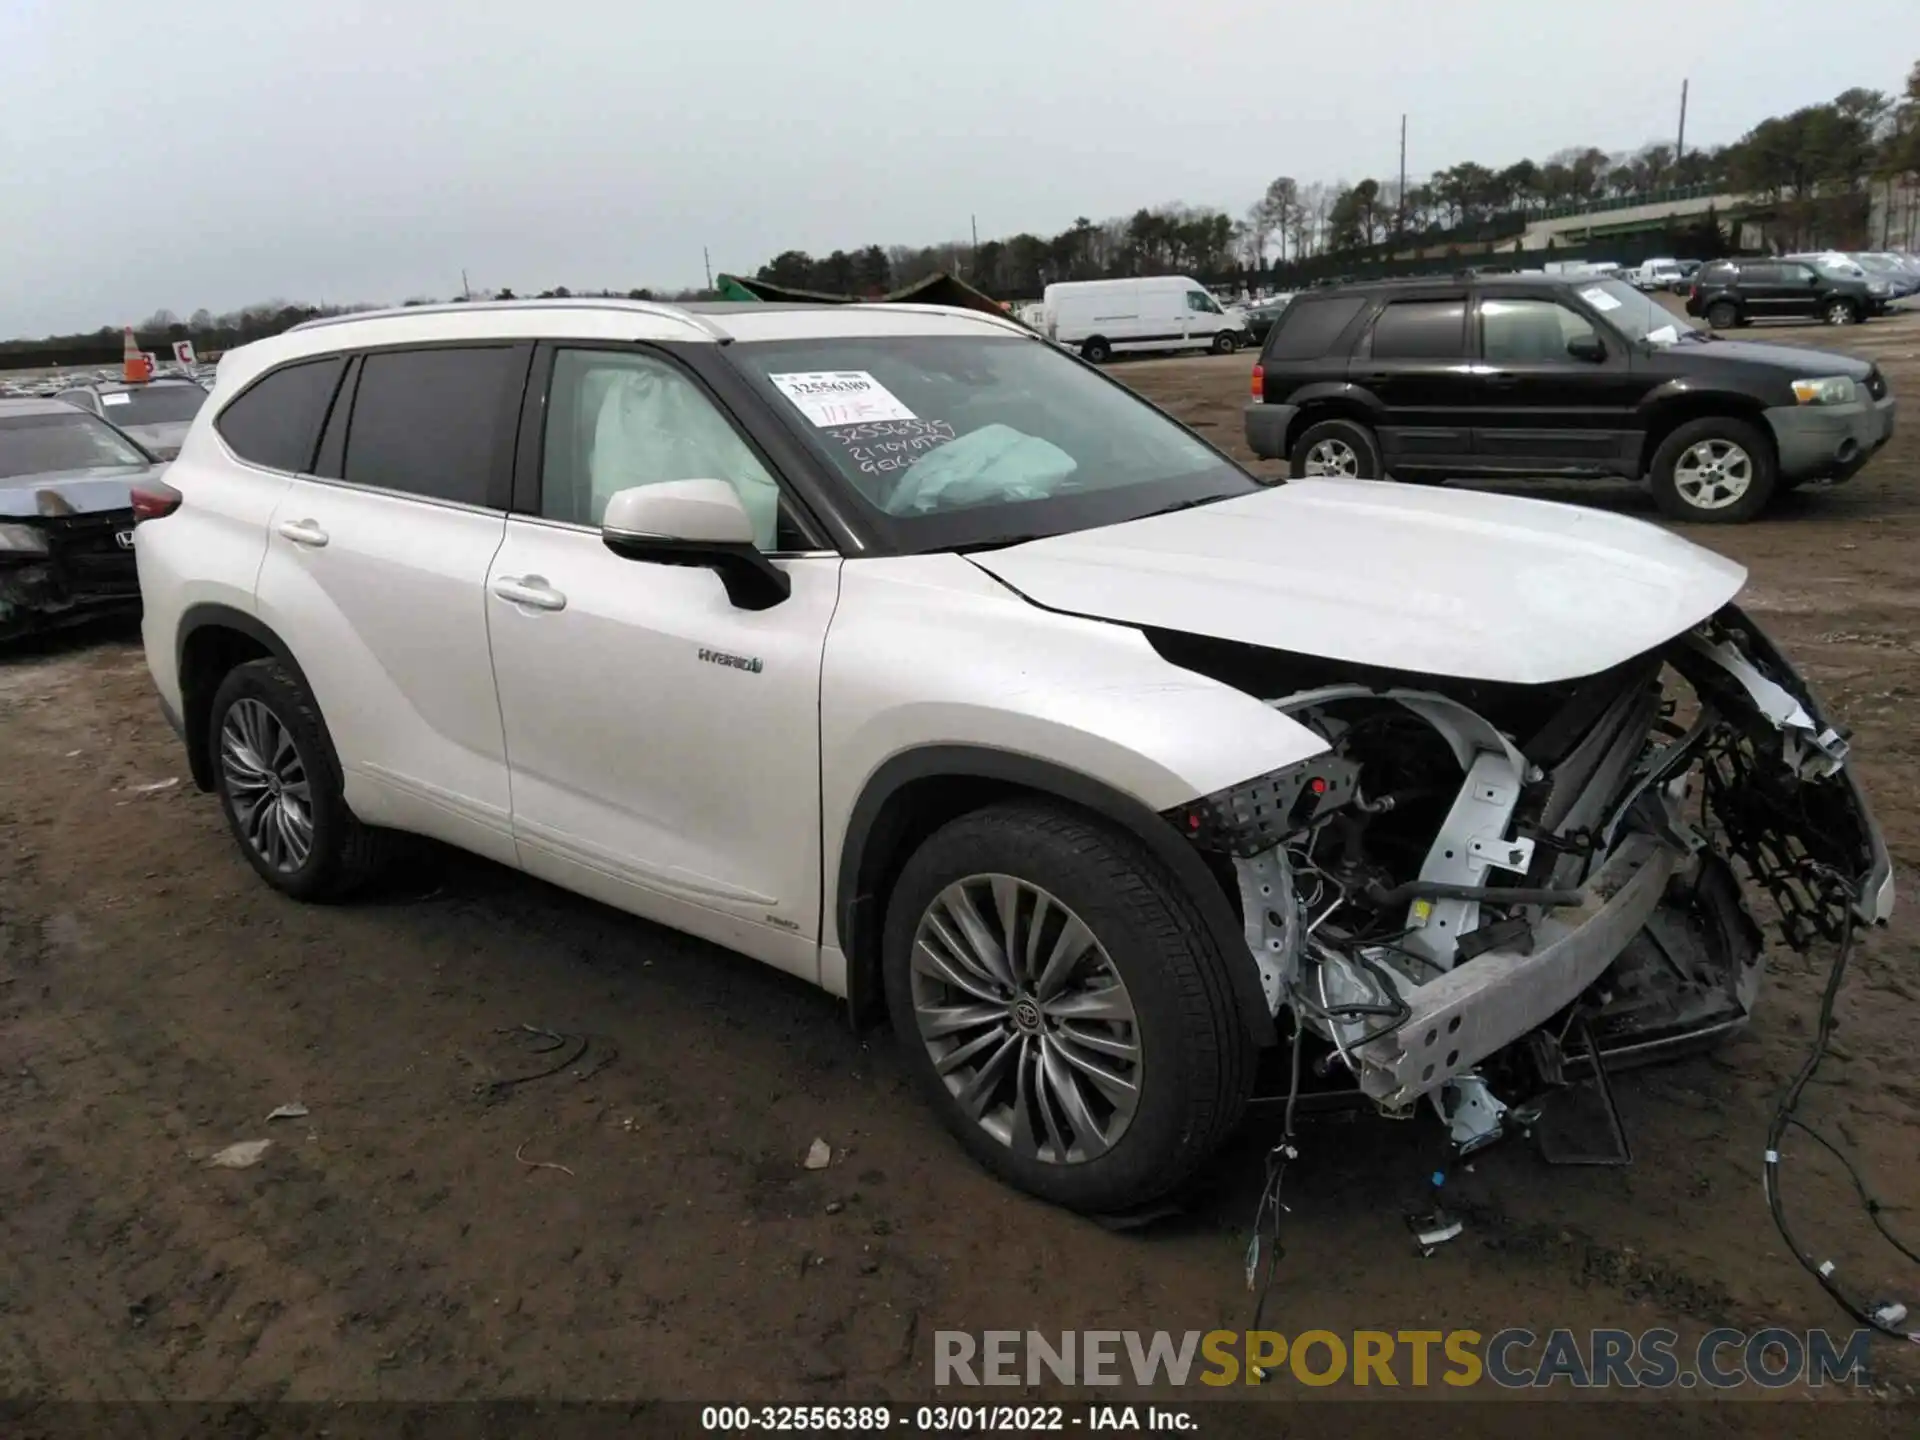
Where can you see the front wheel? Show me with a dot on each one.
(1336, 450)
(1717, 471)
(1063, 1006)
(1225, 343)
(1841, 312)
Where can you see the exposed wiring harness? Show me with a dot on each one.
(1886, 1318)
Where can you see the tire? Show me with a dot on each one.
(1096, 351)
(1841, 312)
(1344, 443)
(1225, 343)
(1682, 496)
(266, 705)
(1193, 1057)
(1723, 315)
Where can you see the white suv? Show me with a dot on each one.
(896, 649)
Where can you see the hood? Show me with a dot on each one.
(76, 492)
(1440, 582)
(1803, 362)
(164, 438)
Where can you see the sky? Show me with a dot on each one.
(219, 152)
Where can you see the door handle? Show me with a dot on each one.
(529, 590)
(1501, 377)
(303, 532)
(1377, 377)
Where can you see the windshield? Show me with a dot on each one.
(43, 444)
(963, 440)
(163, 405)
(1635, 315)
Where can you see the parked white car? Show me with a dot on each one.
(898, 650)
(1103, 318)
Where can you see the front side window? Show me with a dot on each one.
(45, 444)
(1421, 330)
(424, 421)
(617, 420)
(956, 440)
(276, 420)
(1520, 332)
(1199, 300)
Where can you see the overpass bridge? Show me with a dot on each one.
(1597, 222)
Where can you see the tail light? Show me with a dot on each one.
(1259, 382)
(154, 500)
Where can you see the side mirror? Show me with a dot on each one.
(1586, 347)
(695, 522)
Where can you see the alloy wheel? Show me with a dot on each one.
(267, 785)
(1840, 314)
(1026, 1020)
(1333, 458)
(1713, 474)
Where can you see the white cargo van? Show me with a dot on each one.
(1100, 318)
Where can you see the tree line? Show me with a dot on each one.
(1812, 167)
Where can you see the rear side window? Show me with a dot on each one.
(424, 421)
(276, 420)
(1421, 330)
(1308, 327)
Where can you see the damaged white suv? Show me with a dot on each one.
(899, 650)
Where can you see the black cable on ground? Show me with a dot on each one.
(1884, 1318)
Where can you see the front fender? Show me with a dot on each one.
(930, 661)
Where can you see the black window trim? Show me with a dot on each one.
(530, 452)
(226, 445)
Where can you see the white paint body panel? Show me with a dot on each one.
(680, 787)
(388, 622)
(925, 650)
(1440, 582)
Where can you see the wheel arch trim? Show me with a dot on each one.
(212, 616)
(860, 917)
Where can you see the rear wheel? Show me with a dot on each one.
(1336, 449)
(1063, 1006)
(1717, 471)
(1225, 343)
(1723, 315)
(279, 784)
(1841, 312)
(1096, 351)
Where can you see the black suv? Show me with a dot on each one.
(1738, 292)
(1538, 375)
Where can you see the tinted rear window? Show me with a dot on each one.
(161, 405)
(424, 421)
(1421, 330)
(1308, 327)
(277, 419)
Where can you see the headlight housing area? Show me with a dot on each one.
(22, 540)
(1827, 390)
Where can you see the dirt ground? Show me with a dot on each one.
(640, 1224)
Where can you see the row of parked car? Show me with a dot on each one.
(73, 446)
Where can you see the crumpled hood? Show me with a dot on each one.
(80, 492)
(1442, 582)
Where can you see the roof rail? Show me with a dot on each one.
(577, 302)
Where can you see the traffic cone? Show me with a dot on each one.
(135, 367)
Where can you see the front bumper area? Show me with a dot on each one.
(1589, 876)
(1829, 442)
(1468, 1013)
